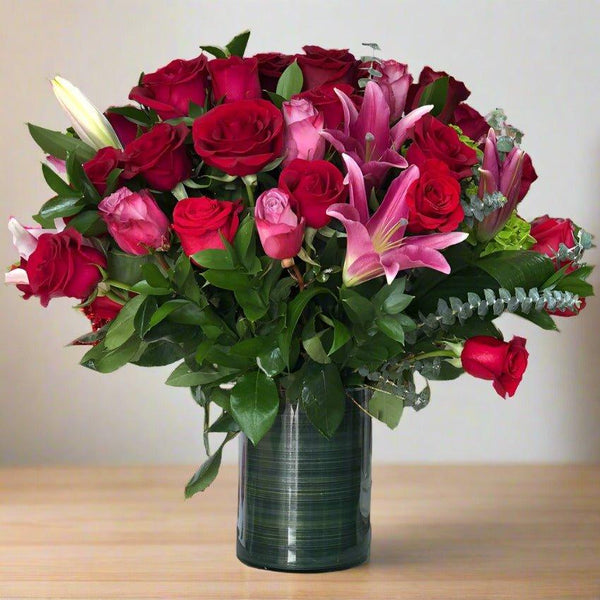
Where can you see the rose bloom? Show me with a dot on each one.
(434, 199)
(320, 66)
(327, 102)
(159, 156)
(170, 89)
(200, 222)
(280, 231)
(313, 186)
(101, 311)
(135, 221)
(471, 123)
(528, 176)
(100, 167)
(457, 92)
(303, 137)
(270, 67)
(503, 363)
(394, 82)
(433, 139)
(62, 264)
(239, 138)
(234, 78)
(126, 130)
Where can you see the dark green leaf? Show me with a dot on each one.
(143, 287)
(103, 360)
(61, 206)
(159, 354)
(122, 328)
(357, 307)
(216, 51)
(252, 304)
(254, 404)
(276, 99)
(541, 318)
(386, 407)
(126, 268)
(214, 259)
(435, 93)
(290, 82)
(56, 183)
(224, 424)
(183, 376)
(89, 223)
(517, 268)
(154, 276)
(271, 362)
(237, 46)
(227, 280)
(142, 316)
(391, 327)
(58, 144)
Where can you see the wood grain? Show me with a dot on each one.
(443, 532)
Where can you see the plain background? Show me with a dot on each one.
(537, 60)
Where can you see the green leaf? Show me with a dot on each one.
(341, 336)
(290, 82)
(62, 206)
(541, 318)
(224, 424)
(295, 309)
(154, 276)
(276, 99)
(164, 310)
(183, 376)
(55, 182)
(357, 307)
(227, 280)
(237, 46)
(322, 396)
(135, 115)
(142, 316)
(122, 328)
(58, 144)
(517, 268)
(314, 348)
(88, 222)
(159, 354)
(435, 93)
(391, 327)
(214, 259)
(271, 362)
(386, 407)
(243, 242)
(216, 51)
(126, 268)
(254, 404)
(101, 359)
(143, 287)
(206, 474)
(252, 304)
(79, 180)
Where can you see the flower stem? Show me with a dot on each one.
(250, 183)
(443, 353)
(295, 273)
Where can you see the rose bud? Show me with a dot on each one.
(54, 264)
(239, 138)
(159, 156)
(101, 311)
(135, 221)
(326, 101)
(457, 93)
(503, 363)
(394, 82)
(313, 186)
(100, 167)
(280, 231)
(320, 66)
(270, 67)
(434, 199)
(200, 223)
(303, 131)
(234, 78)
(170, 89)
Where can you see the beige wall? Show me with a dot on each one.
(538, 60)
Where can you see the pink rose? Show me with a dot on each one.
(394, 83)
(234, 78)
(279, 229)
(135, 221)
(303, 131)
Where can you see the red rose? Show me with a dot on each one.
(434, 199)
(63, 265)
(100, 167)
(200, 222)
(239, 138)
(433, 139)
(234, 78)
(159, 156)
(320, 66)
(126, 130)
(457, 92)
(326, 101)
(472, 123)
(527, 177)
(270, 67)
(313, 186)
(170, 90)
(101, 311)
(501, 362)
(550, 233)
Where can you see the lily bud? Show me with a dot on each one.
(88, 122)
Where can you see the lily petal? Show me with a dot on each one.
(437, 241)
(401, 130)
(356, 183)
(17, 277)
(24, 239)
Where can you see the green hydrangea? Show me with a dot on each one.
(513, 236)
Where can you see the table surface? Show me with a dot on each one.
(443, 532)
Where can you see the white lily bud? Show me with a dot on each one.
(89, 123)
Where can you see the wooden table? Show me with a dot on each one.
(439, 532)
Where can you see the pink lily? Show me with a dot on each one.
(499, 176)
(366, 135)
(376, 244)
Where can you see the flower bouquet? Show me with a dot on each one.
(302, 235)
